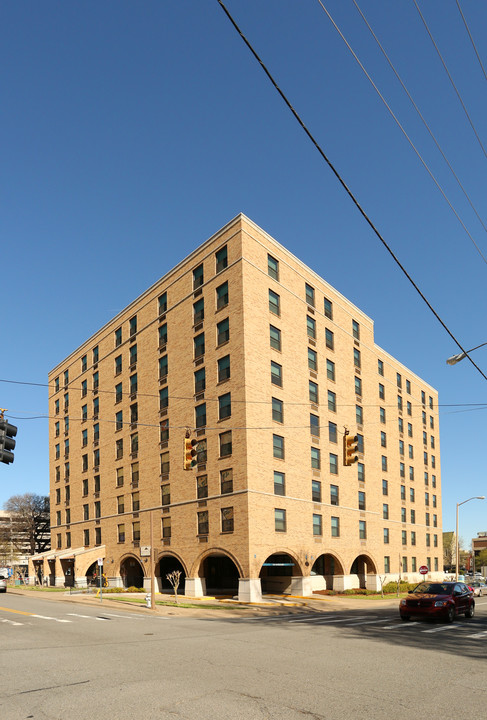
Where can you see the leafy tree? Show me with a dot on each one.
(30, 527)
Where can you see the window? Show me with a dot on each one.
(316, 491)
(85, 489)
(334, 495)
(432, 442)
(330, 370)
(278, 446)
(403, 492)
(408, 387)
(277, 410)
(203, 528)
(56, 385)
(275, 337)
(356, 358)
(119, 475)
(314, 425)
(133, 354)
(276, 374)
(118, 337)
(198, 277)
(227, 519)
(411, 472)
(310, 295)
(162, 335)
(221, 257)
(385, 487)
(68, 539)
(402, 470)
(413, 537)
(332, 432)
(66, 401)
(118, 393)
(119, 449)
(317, 524)
(198, 313)
(222, 296)
(355, 330)
(226, 481)
(382, 415)
(120, 504)
(385, 511)
(315, 458)
(333, 464)
(163, 398)
(386, 536)
(312, 360)
(279, 520)
(66, 378)
(384, 463)
(118, 420)
(399, 380)
(133, 326)
(200, 380)
(335, 526)
(84, 463)
(162, 367)
(361, 471)
(410, 452)
(358, 386)
(56, 406)
(274, 303)
(423, 397)
(200, 415)
(410, 430)
(68, 516)
(165, 463)
(136, 531)
(409, 408)
(224, 368)
(432, 422)
(199, 345)
(329, 339)
(86, 537)
(404, 537)
(380, 367)
(362, 529)
(279, 483)
(332, 401)
(403, 515)
(134, 469)
(413, 516)
(224, 406)
(328, 309)
(359, 415)
(311, 327)
(382, 391)
(361, 500)
(162, 303)
(273, 267)
(412, 495)
(225, 443)
(166, 494)
(383, 439)
(166, 527)
(202, 487)
(84, 363)
(399, 403)
(133, 384)
(121, 533)
(118, 365)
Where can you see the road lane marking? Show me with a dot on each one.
(18, 612)
(443, 628)
(10, 622)
(323, 621)
(478, 635)
(368, 622)
(402, 625)
(46, 617)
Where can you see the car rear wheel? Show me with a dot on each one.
(404, 617)
(470, 612)
(450, 614)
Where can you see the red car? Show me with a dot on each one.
(441, 600)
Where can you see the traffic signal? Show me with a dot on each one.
(7, 442)
(350, 449)
(189, 453)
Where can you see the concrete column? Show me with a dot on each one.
(339, 583)
(372, 582)
(249, 590)
(301, 586)
(195, 587)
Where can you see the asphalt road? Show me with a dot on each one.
(60, 659)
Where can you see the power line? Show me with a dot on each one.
(345, 186)
(471, 38)
(433, 137)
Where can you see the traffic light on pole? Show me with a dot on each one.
(7, 442)
(189, 453)
(350, 449)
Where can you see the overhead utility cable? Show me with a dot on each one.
(471, 39)
(428, 129)
(345, 186)
(450, 79)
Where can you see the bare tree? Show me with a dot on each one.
(30, 526)
(174, 577)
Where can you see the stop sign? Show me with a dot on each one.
(423, 570)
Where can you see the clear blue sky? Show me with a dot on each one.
(131, 132)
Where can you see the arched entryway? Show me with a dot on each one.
(324, 569)
(361, 567)
(132, 573)
(276, 573)
(221, 574)
(167, 564)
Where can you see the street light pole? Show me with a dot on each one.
(476, 497)
(454, 359)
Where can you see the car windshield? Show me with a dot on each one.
(433, 588)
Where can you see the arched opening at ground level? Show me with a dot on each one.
(220, 573)
(168, 564)
(131, 572)
(323, 572)
(277, 572)
(93, 575)
(361, 567)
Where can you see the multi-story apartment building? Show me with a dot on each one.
(265, 365)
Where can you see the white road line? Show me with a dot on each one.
(10, 622)
(442, 628)
(403, 626)
(125, 617)
(46, 617)
(478, 635)
(320, 621)
(78, 615)
(368, 622)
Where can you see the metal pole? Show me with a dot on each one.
(456, 549)
(152, 583)
(100, 570)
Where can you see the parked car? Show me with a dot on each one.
(479, 588)
(438, 600)
(3, 583)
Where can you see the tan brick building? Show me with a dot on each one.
(266, 364)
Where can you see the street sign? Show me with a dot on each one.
(423, 570)
(100, 562)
